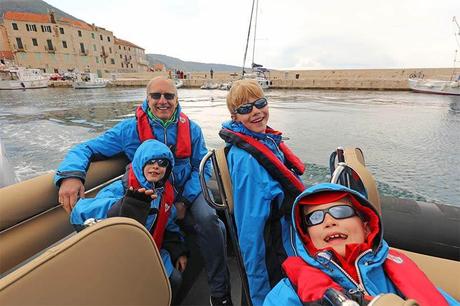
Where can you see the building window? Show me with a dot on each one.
(15, 26)
(131, 65)
(92, 35)
(31, 27)
(82, 48)
(94, 48)
(110, 50)
(64, 44)
(119, 47)
(121, 56)
(101, 37)
(122, 65)
(61, 30)
(49, 43)
(108, 38)
(34, 42)
(79, 33)
(129, 49)
(19, 43)
(124, 48)
(46, 28)
(112, 61)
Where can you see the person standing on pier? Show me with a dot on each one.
(159, 117)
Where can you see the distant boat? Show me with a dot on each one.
(452, 87)
(21, 78)
(257, 71)
(88, 81)
(435, 86)
(210, 85)
(179, 83)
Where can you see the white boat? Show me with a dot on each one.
(257, 71)
(88, 81)
(209, 85)
(435, 86)
(179, 83)
(22, 78)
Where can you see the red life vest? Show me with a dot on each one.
(283, 173)
(183, 147)
(164, 210)
(310, 283)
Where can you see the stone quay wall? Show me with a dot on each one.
(356, 79)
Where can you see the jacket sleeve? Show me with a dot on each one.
(282, 294)
(120, 138)
(192, 187)
(253, 193)
(97, 207)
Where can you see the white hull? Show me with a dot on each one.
(435, 86)
(89, 85)
(263, 82)
(23, 84)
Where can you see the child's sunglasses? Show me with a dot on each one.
(337, 212)
(162, 162)
(157, 95)
(247, 108)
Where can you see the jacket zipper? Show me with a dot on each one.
(360, 285)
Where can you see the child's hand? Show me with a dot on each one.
(147, 192)
(181, 263)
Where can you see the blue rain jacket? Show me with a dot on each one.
(370, 263)
(254, 194)
(99, 206)
(123, 138)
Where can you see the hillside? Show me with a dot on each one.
(31, 6)
(175, 63)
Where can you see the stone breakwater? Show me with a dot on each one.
(353, 79)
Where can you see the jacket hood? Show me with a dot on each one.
(148, 150)
(326, 193)
(240, 128)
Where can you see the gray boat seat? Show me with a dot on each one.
(113, 262)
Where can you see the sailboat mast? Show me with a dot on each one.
(247, 39)
(255, 33)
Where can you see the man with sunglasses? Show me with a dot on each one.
(265, 181)
(339, 245)
(159, 117)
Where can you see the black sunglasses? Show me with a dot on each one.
(162, 162)
(337, 212)
(244, 109)
(157, 95)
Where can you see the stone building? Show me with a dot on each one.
(59, 44)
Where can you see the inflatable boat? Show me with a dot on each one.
(115, 261)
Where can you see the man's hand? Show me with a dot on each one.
(69, 192)
(181, 263)
(181, 209)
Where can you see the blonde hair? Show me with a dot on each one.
(241, 91)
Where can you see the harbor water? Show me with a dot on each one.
(411, 141)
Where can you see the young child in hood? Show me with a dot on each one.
(339, 245)
(143, 194)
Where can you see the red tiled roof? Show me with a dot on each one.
(6, 54)
(78, 24)
(126, 43)
(21, 16)
(43, 18)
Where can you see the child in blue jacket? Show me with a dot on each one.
(339, 245)
(143, 194)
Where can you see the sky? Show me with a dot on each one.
(291, 34)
